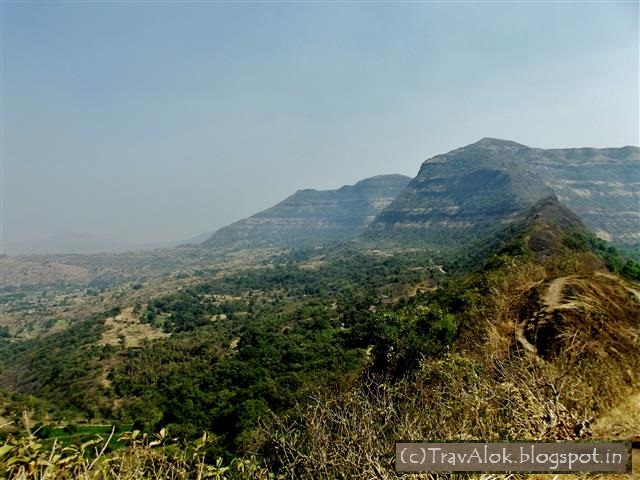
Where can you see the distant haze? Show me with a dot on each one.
(155, 122)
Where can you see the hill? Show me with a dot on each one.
(337, 352)
(469, 192)
(314, 216)
(541, 343)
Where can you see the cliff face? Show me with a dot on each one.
(602, 186)
(456, 198)
(312, 216)
(467, 192)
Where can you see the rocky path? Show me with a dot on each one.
(551, 300)
(553, 296)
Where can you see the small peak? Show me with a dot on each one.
(393, 177)
(551, 209)
(488, 142)
(546, 201)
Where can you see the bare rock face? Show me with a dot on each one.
(470, 191)
(313, 216)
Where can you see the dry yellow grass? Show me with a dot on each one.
(489, 388)
(127, 331)
(620, 423)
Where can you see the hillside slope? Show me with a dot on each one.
(546, 344)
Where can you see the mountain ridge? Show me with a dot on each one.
(460, 193)
(312, 216)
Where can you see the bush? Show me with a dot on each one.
(138, 425)
(70, 428)
(631, 270)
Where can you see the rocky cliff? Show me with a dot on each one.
(463, 194)
(314, 216)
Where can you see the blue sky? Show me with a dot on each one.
(158, 121)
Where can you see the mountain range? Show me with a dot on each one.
(455, 199)
(458, 197)
(314, 216)
(473, 189)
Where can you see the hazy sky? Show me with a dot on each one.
(158, 121)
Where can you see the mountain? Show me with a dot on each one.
(467, 193)
(312, 216)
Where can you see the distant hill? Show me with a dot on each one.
(70, 241)
(313, 216)
(471, 191)
(65, 242)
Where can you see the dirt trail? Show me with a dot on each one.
(619, 423)
(553, 296)
(551, 300)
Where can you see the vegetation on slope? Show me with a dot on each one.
(519, 369)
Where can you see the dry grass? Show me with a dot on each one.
(491, 389)
(621, 422)
(144, 456)
(127, 331)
